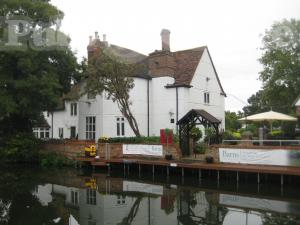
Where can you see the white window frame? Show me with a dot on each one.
(73, 107)
(120, 121)
(206, 97)
(41, 132)
(74, 197)
(91, 197)
(61, 132)
(90, 127)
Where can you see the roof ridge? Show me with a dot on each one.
(191, 49)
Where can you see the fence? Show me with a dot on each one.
(264, 142)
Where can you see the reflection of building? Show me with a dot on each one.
(297, 106)
(118, 201)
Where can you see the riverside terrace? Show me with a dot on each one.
(279, 164)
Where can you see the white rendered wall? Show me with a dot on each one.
(205, 80)
(162, 105)
(138, 98)
(63, 119)
(162, 102)
(90, 107)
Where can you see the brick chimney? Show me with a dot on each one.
(165, 39)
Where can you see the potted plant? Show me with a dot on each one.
(209, 159)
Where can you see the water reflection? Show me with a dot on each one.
(66, 198)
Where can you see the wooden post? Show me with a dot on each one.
(199, 175)
(281, 182)
(139, 171)
(124, 169)
(153, 171)
(218, 177)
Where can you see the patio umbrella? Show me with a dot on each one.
(269, 116)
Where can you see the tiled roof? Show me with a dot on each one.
(198, 113)
(126, 54)
(186, 64)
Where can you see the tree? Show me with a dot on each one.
(231, 121)
(110, 74)
(257, 104)
(32, 80)
(281, 65)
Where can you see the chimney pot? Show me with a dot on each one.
(165, 39)
(96, 35)
(91, 38)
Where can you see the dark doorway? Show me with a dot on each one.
(192, 118)
(73, 132)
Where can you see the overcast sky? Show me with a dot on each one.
(231, 29)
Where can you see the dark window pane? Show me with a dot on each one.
(123, 129)
(118, 129)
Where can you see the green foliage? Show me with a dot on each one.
(228, 135)
(200, 148)
(257, 104)
(196, 134)
(133, 140)
(281, 66)
(275, 135)
(22, 147)
(175, 138)
(237, 135)
(55, 160)
(288, 129)
(32, 81)
(108, 73)
(231, 121)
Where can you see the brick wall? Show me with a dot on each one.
(73, 148)
(116, 151)
(68, 148)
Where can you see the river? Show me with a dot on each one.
(34, 196)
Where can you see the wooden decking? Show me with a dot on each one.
(192, 164)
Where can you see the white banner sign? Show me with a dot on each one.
(259, 203)
(152, 150)
(276, 157)
(141, 187)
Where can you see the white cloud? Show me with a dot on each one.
(230, 29)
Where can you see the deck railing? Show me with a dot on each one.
(265, 142)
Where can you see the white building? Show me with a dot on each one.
(175, 82)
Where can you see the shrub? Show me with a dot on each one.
(54, 160)
(228, 135)
(133, 140)
(22, 147)
(236, 135)
(196, 133)
(200, 148)
(275, 135)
